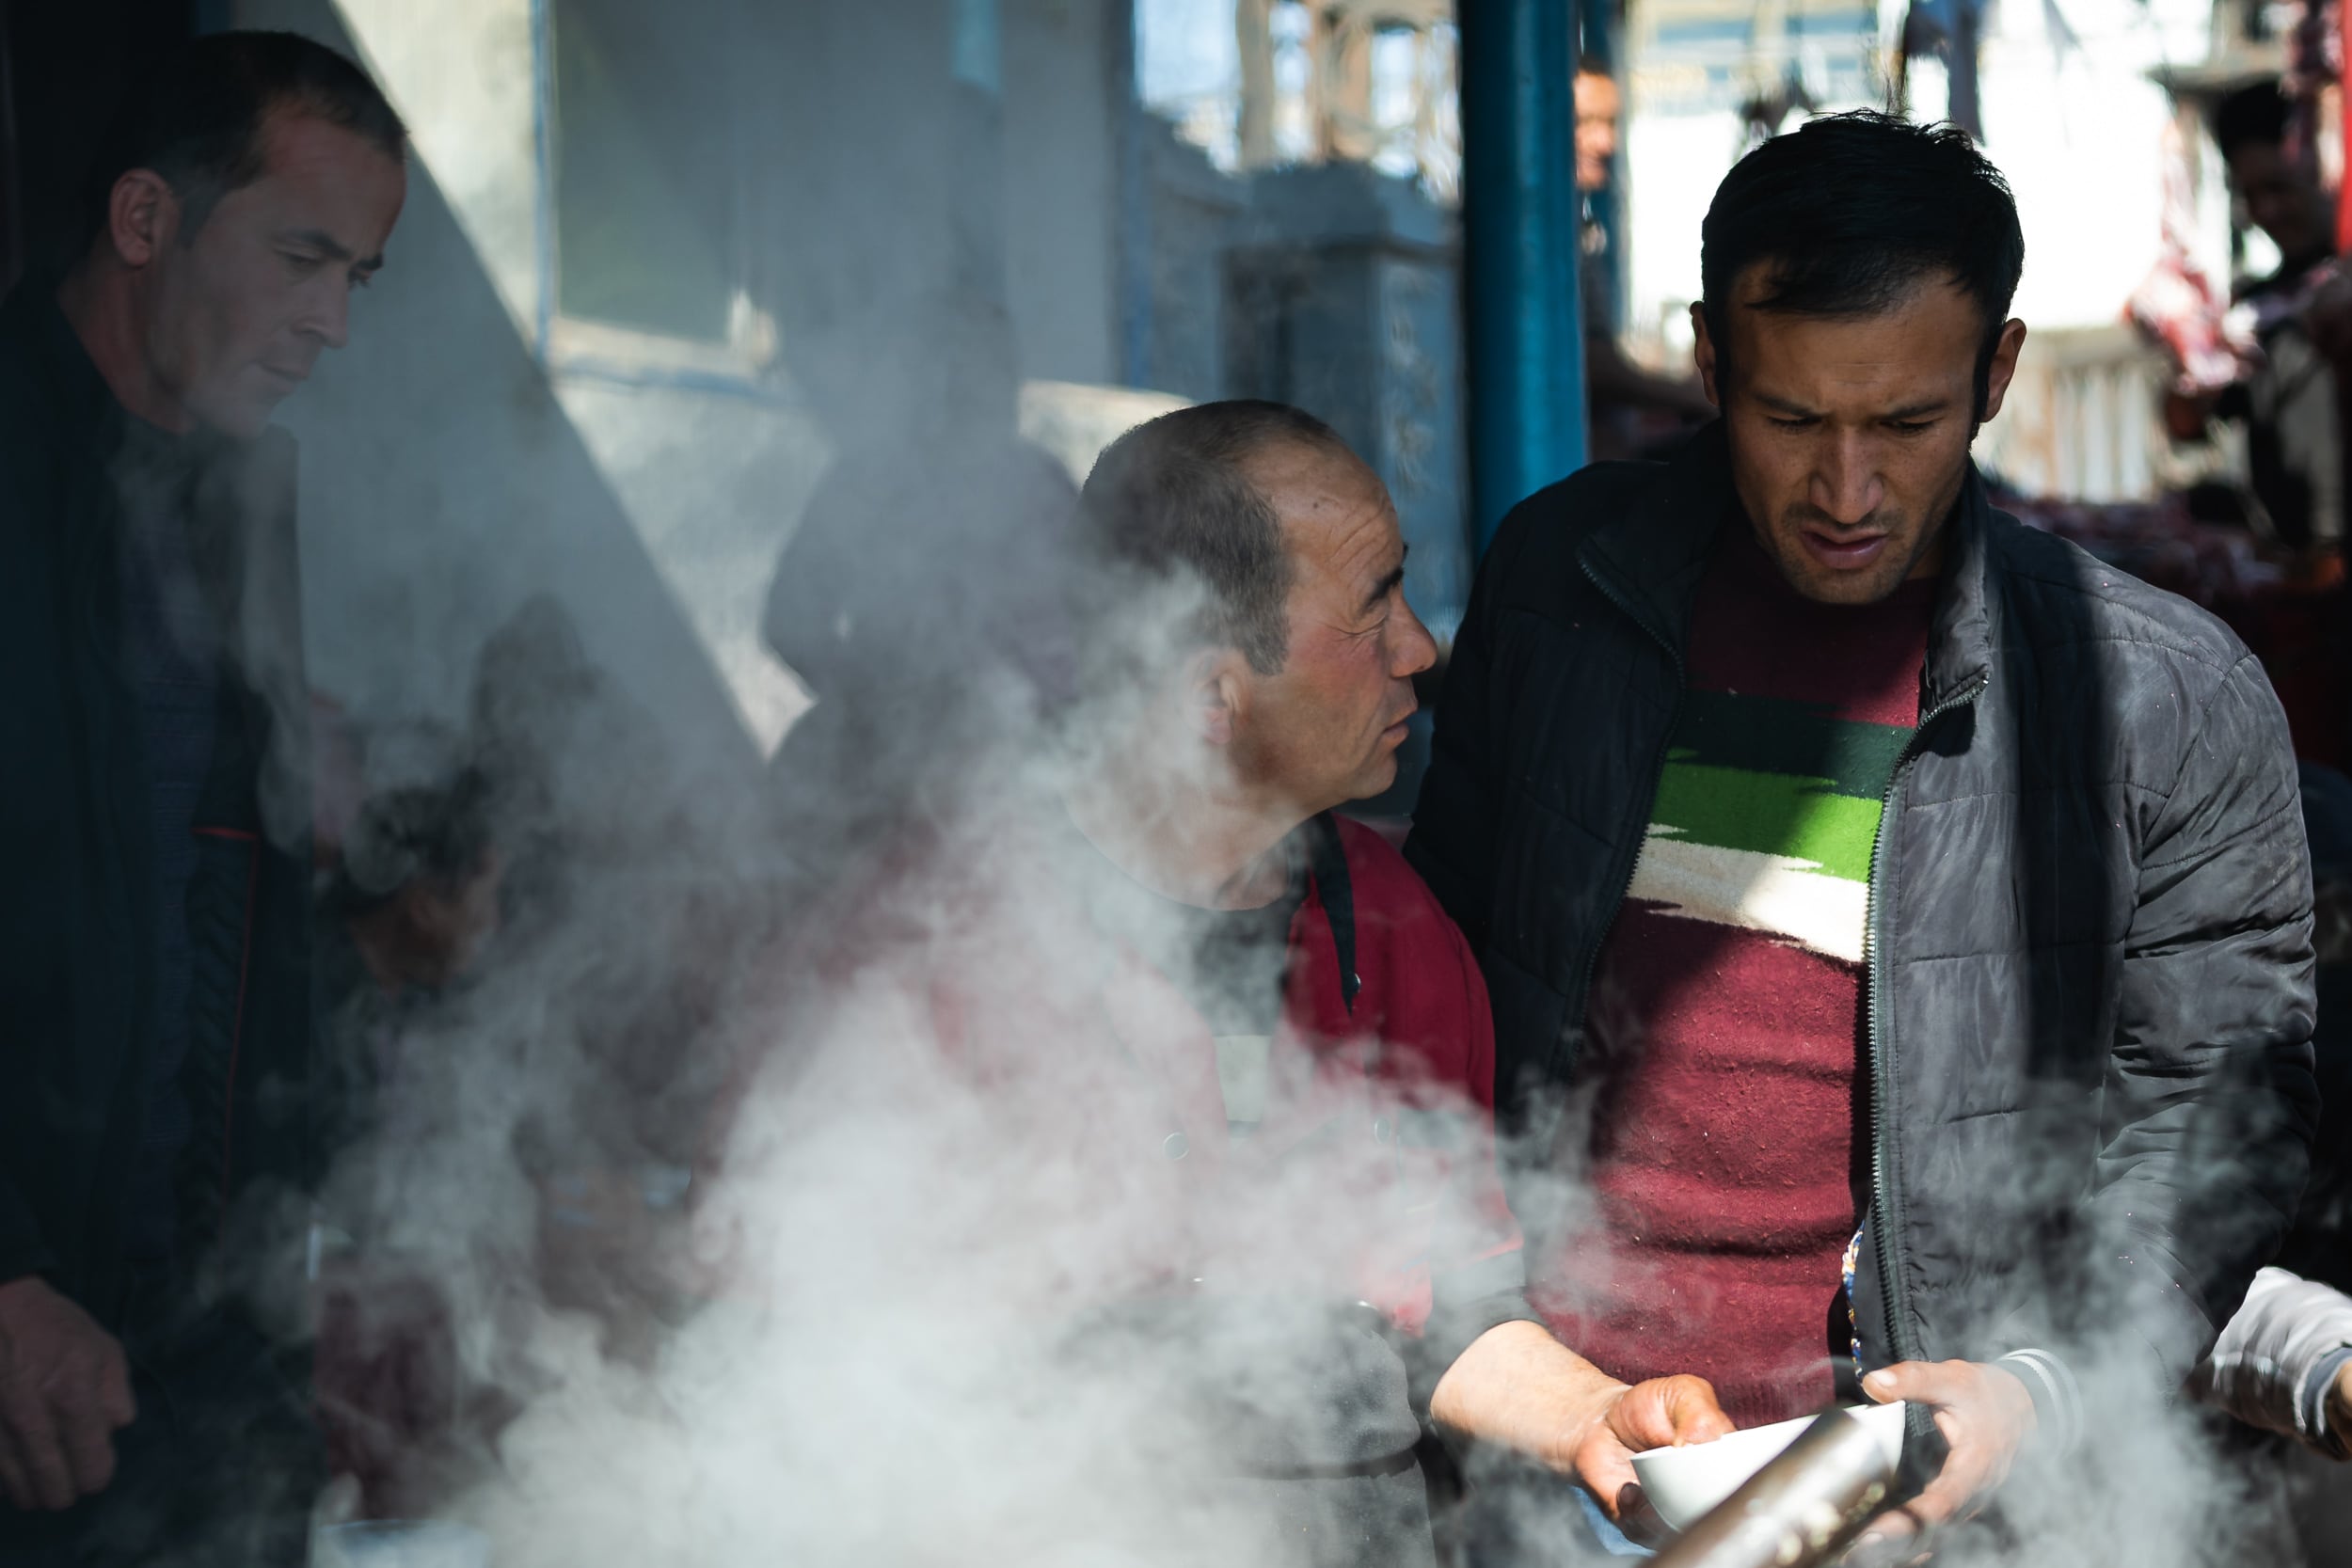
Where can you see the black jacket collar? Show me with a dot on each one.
(1650, 559)
(78, 397)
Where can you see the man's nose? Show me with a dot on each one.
(1416, 650)
(1846, 482)
(327, 315)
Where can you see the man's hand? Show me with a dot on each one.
(1984, 1414)
(65, 1390)
(1520, 1388)
(2340, 1401)
(1665, 1412)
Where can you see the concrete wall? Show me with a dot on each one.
(459, 456)
(1060, 154)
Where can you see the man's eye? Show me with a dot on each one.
(298, 262)
(1910, 427)
(1793, 423)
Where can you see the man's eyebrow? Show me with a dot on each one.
(1919, 410)
(1388, 584)
(320, 240)
(332, 248)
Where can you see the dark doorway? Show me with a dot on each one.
(64, 66)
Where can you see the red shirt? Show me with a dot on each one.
(980, 994)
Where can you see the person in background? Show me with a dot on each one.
(1908, 906)
(921, 601)
(2288, 396)
(1632, 409)
(154, 974)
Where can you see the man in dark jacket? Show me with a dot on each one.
(1901, 919)
(154, 992)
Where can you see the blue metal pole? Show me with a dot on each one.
(1519, 237)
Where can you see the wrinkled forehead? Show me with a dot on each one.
(1312, 483)
(1335, 512)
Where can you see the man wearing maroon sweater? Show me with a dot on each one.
(1892, 911)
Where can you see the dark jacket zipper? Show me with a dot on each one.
(1885, 1217)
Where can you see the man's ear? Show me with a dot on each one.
(142, 216)
(2004, 367)
(1217, 684)
(1703, 353)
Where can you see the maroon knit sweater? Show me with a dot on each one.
(1725, 1022)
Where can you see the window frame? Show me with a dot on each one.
(749, 363)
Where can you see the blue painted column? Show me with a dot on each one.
(1520, 239)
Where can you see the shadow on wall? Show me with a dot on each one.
(442, 484)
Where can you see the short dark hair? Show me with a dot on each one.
(1850, 213)
(196, 118)
(2252, 115)
(1169, 501)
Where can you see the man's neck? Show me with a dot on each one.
(103, 305)
(1183, 840)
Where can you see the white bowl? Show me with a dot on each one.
(1685, 1483)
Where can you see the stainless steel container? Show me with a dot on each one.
(1800, 1510)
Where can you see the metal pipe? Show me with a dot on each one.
(1525, 334)
(1800, 1510)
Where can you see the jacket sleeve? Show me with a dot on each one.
(2278, 1356)
(23, 1250)
(1453, 842)
(2209, 1097)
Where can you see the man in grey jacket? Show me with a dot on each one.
(1912, 912)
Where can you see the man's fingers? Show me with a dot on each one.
(1668, 1410)
(47, 1475)
(1606, 1471)
(1928, 1382)
(86, 1435)
(15, 1481)
(1693, 1412)
(1637, 1519)
(1894, 1525)
(116, 1402)
(1941, 1499)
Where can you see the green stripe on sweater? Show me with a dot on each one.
(1769, 814)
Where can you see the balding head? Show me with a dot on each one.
(1177, 499)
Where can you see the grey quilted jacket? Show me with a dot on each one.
(2088, 945)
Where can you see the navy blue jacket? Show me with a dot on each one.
(77, 886)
